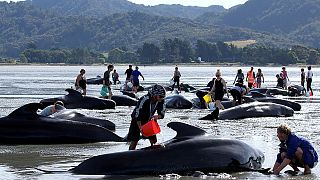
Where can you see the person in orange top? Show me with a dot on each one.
(250, 78)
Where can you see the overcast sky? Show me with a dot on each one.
(203, 3)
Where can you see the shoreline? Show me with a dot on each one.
(165, 64)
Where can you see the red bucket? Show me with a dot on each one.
(150, 128)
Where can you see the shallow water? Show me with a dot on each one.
(24, 84)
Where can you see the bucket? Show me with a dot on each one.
(150, 128)
(207, 98)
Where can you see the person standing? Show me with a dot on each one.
(285, 78)
(250, 78)
(81, 82)
(106, 79)
(294, 151)
(128, 76)
(309, 80)
(115, 77)
(259, 78)
(303, 77)
(239, 76)
(144, 112)
(135, 79)
(176, 78)
(219, 88)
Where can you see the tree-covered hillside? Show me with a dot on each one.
(102, 8)
(24, 25)
(282, 17)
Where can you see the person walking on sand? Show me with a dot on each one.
(219, 88)
(239, 76)
(106, 79)
(285, 78)
(135, 79)
(259, 78)
(250, 78)
(128, 76)
(303, 77)
(309, 80)
(176, 78)
(115, 77)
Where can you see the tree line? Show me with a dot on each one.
(177, 51)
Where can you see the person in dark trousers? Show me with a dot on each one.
(303, 77)
(237, 91)
(176, 78)
(135, 79)
(128, 76)
(106, 79)
(144, 112)
(295, 151)
(309, 81)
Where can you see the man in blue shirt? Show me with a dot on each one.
(294, 151)
(135, 79)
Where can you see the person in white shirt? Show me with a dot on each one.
(309, 80)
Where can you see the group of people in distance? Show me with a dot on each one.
(295, 151)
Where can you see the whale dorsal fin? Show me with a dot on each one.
(26, 110)
(184, 130)
(73, 92)
(257, 94)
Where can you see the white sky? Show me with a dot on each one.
(203, 3)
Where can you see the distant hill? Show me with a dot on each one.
(281, 17)
(24, 25)
(102, 8)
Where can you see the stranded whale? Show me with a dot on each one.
(191, 150)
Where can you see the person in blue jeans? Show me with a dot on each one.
(295, 151)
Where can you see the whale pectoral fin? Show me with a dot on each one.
(183, 129)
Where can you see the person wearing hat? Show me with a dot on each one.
(144, 112)
(237, 91)
(135, 79)
(295, 151)
(56, 107)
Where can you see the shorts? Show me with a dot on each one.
(218, 96)
(236, 95)
(134, 133)
(136, 83)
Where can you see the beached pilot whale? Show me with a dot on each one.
(268, 98)
(191, 150)
(177, 101)
(97, 80)
(250, 110)
(75, 99)
(124, 100)
(75, 116)
(25, 126)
